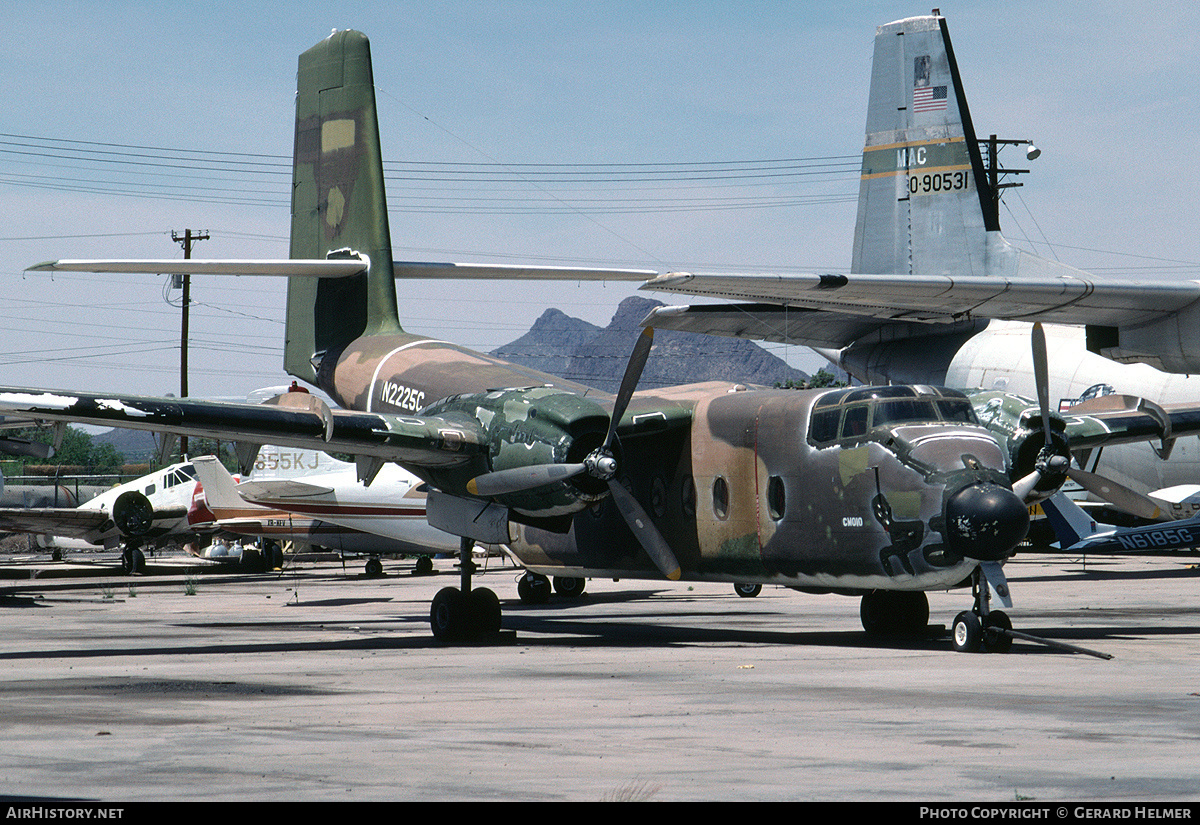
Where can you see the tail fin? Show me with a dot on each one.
(1070, 524)
(925, 204)
(338, 203)
(220, 491)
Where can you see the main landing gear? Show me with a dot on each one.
(133, 560)
(465, 615)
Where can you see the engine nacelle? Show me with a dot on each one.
(1017, 424)
(133, 514)
(531, 426)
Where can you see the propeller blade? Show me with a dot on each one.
(647, 534)
(1041, 377)
(519, 479)
(633, 373)
(1117, 495)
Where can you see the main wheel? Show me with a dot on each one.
(994, 639)
(747, 591)
(133, 560)
(423, 567)
(894, 613)
(968, 632)
(483, 612)
(569, 587)
(533, 588)
(374, 568)
(448, 615)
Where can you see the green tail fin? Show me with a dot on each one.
(338, 203)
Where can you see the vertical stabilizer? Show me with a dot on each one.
(338, 203)
(1071, 525)
(923, 191)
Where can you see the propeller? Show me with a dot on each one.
(1051, 463)
(599, 464)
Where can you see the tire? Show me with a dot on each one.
(448, 615)
(967, 632)
(423, 567)
(747, 591)
(533, 589)
(374, 568)
(895, 614)
(995, 641)
(570, 587)
(133, 560)
(483, 614)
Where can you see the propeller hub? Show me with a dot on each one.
(601, 465)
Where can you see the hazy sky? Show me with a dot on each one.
(1104, 89)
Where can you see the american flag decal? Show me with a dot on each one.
(929, 98)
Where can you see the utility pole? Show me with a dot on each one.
(185, 240)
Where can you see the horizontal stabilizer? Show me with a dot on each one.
(261, 492)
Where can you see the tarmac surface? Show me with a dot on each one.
(316, 684)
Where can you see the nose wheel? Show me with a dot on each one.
(982, 629)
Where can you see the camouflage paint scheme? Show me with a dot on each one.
(728, 483)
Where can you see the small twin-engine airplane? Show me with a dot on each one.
(878, 492)
(148, 510)
(316, 499)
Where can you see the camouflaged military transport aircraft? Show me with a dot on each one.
(882, 493)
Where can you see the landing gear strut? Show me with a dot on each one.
(465, 615)
(981, 628)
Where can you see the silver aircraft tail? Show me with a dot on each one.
(925, 204)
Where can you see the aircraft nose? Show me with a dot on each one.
(985, 521)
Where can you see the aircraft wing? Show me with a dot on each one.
(854, 300)
(56, 521)
(1120, 419)
(419, 441)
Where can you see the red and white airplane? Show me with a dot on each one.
(311, 497)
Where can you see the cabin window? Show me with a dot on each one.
(776, 498)
(687, 496)
(824, 426)
(150, 490)
(658, 497)
(720, 498)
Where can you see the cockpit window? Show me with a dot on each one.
(851, 414)
(957, 409)
(855, 422)
(901, 411)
